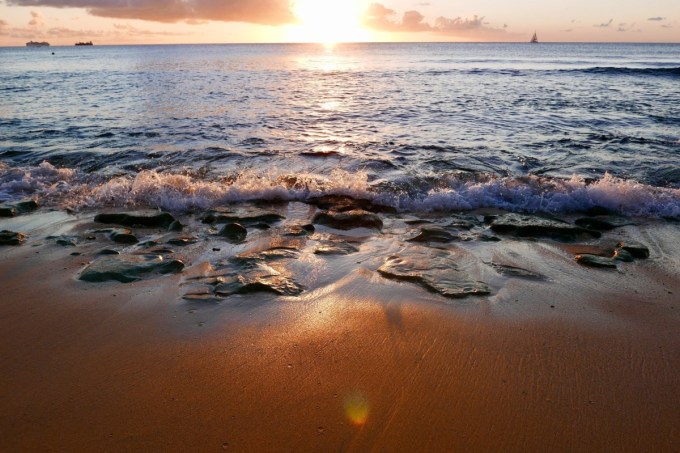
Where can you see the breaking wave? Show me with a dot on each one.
(71, 189)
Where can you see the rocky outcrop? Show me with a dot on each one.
(147, 219)
(348, 220)
(17, 208)
(523, 225)
(12, 238)
(128, 268)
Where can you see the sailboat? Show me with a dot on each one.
(534, 39)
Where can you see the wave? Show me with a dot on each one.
(613, 70)
(71, 189)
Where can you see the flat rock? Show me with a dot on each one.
(595, 261)
(348, 220)
(122, 236)
(17, 208)
(433, 234)
(108, 252)
(248, 219)
(128, 268)
(534, 226)
(259, 278)
(12, 238)
(148, 219)
(344, 203)
(335, 248)
(435, 271)
(298, 230)
(634, 248)
(234, 232)
(623, 255)
(513, 271)
(182, 241)
(601, 223)
(65, 241)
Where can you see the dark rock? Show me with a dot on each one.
(298, 230)
(148, 219)
(259, 278)
(15, 209)
(595, 261)
(163, 251)
(147, 244)
(12, 238)
(219, 216)
(436, 272)
(183, 241)
(348, 220)
(234, 232)
(417, 222)
(176, 226)
(128, 268)
(535, 226)
(601, 223)
(108, 252)
(122, 236)
(343, 203)
(634, 248)
(65, 241)
(335, 248)
(512, 271)
(433, 234)
(623, 255)
(464, 222)
(75, 254)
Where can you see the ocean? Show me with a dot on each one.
(542, 128)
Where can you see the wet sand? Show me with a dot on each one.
(585, 360)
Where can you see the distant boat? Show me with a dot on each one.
(534, 39)
(37, 44)
(89, 43)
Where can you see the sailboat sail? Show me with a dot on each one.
(534, 39)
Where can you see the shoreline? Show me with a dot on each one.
(578, 359)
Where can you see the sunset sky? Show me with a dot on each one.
(62, 22)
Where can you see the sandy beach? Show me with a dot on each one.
(569, 358)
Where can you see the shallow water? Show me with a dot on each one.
(540, 128)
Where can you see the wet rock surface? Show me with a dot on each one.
(17, 208)
(436, 271)
(342, 203)
(148, 219)
(636, 249)
(182, 241)
(349, 220)
(434, 234)
(335, 247)
(596, 261)
(12, 238)
(602, 223)
(234, 232)
(523, 225)
(128, 268)
(123, 236)
(245, 219)
(513, 271)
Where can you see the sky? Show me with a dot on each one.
(64, 22)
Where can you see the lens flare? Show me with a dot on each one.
(357, 408)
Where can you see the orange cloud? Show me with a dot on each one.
(267, 12)
(378, 17)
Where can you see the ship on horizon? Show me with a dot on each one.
(37, 44)
(88, 43)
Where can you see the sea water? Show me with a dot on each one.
(550, 128)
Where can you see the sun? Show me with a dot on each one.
(328, 21)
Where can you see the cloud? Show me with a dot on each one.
(119, 31)
(267, 12)
(37, 20)
(604, 24)
(658, 18)
(624, 27)
(378, 17)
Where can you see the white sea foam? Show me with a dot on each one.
(181, 193)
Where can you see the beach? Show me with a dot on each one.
(563, 358)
